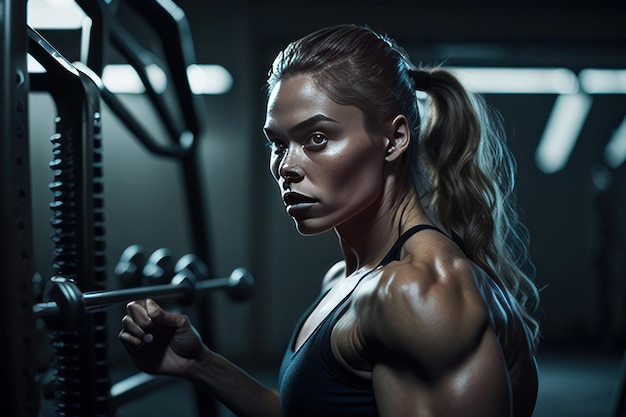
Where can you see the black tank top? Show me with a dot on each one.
(312, 382)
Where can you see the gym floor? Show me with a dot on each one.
(572, 384)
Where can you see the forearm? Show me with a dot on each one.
(232, 386)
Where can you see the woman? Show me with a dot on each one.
(430, 311)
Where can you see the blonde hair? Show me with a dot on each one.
(471, 189)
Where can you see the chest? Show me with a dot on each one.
(339, 294)
(313, 381)
(338, 315)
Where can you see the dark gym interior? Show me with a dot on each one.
(147, 194)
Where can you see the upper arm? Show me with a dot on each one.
(433, 350)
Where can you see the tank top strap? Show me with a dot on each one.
(394, 252)
(459, 241)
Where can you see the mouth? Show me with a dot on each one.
(295, 200)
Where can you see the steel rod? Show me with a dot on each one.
(68, 300)
(97, 299)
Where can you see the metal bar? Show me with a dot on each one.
(69, 300)
(173, 29)
(102, 298)
(19, 398)
(97, 49)
(140, 59)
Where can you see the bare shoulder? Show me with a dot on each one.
(424, 328)
(425, 309)
(338, 270)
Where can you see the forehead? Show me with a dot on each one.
(298, 98)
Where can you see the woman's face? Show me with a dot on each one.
(328, 168)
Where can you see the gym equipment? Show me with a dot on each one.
(160, 267)
(20, 396)
(130, 266)
(65, 305)
(77, 329)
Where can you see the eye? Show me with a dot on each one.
(316, 141)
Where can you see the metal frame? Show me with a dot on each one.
(21, 397)
(78, 127)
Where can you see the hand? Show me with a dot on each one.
(159, 342)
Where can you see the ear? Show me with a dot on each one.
(399, 137)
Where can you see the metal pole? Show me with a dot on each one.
(20, 397)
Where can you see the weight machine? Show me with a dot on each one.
(74, 304)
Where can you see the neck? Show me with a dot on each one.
(385, 220)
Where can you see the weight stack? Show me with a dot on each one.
(80, 355)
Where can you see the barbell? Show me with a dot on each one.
(65, 305)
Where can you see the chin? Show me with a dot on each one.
(308, 228)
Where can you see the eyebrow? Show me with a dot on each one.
(311, 121)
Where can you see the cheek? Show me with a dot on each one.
(274, 163)
(353, 173)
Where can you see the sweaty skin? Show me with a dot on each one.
(321, 151)
(419, 329)
(422, 328)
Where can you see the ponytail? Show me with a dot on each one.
(471, 190)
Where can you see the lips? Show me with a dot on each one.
(292, 198)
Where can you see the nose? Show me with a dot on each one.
(289, 169)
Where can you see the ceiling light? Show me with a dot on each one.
(615, 151)
(209, 79)
(517, 80)
(122, 79)
(54, 14)
(603, 81)
(203, 79)
(561, 131)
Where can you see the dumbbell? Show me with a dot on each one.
(159, 268)
(129, 268)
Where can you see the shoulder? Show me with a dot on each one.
(335, 272)
(424, 310)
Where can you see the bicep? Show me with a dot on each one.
(477, 386)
